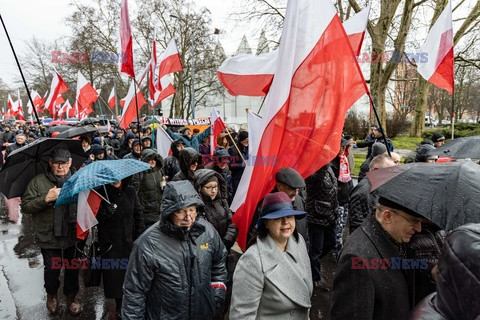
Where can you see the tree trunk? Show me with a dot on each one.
(418, 124)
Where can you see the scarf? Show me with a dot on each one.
(344, 174)
(65, 216)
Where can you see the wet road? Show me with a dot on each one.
(22, 295)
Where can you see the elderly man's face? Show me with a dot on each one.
(291, 192)
(400, 225)
(20, 139)
(60, 168)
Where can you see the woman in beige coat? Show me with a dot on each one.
(272, 279)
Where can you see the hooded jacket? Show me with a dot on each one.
(171, 164)
(458, 284)
(148, 185)
(187, 157)
(217, 211)
(377, 149)
(175, 273)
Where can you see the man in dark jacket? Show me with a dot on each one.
(136, 150)
(377, 137)
(238, 160)
(221, 160)
(322, 212)
(126, 146)
(177, 267)
(20, 141)
(362, 203)
(188, 139)
(458, 283)
(365, 286)
(377, 149)
(190, 160)
(54, 228)
(149, 186)
(171, 164)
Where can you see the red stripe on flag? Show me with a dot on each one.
(356, 41)
(254, 85)
(443, 75)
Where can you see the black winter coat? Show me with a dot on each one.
(321, 201)
(237, 165)
(172, 271)
(148, 185)
(217, 211)
(187, 157)
(362, 203)
(458, 285)
(117, 231)
(369, 294)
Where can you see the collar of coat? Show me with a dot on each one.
(282, 273)
(174, 231)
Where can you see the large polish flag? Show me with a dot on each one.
(112, 99)
(165, 90)
(355, 29)
(438, 46)
(87, 209)
(129, 111)
(169, 61)
(57, 87)
(317, 80)
(126, 41)
(86, 94)
(251, 75)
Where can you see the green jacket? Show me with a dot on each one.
(33, 202)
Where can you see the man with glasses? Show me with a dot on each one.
(177, 267)
(365, 285)
(55, 228)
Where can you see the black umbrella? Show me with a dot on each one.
(26, 162)
(444, 193)
(77, 131)
(460, 148)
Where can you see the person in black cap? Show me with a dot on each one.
(55, 228)
(438, 139)
(289, 181)
(272, 279)
(365, 285)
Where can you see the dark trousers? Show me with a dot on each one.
(50, 276)
(322, 240)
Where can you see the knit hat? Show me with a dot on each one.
(97, 149)
(213, 178)
(135, 142)
(242, 135)
(278, 205)
(130, 135)
(438, 137)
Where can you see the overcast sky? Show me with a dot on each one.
(44, 19)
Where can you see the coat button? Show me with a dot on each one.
(292, 313)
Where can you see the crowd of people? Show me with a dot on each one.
(174, 225)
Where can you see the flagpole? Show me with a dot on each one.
(261, 104)
(23, 77)
(379, 123)
(136, 106)
(235, 145)
(106, 104)
(453, 114)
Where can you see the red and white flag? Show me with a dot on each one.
(355, 29)
(129, 112)
(10, 103)
(86, 94)
(165, 90)
(126, 41)
(87, 209)
(318, 81)
(112, 100)
(248, 75)
(169, 61)
(164, 143)
(438, 47)
(37, 101)
(217, 127)
(57, 87)
(254, 122)
(152, 63)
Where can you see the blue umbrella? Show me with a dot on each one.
(96, 174)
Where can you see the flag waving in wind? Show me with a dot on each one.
(355, 29)
(57, 87)
(169, 61)
(86, 95)
(438, 69)
(112, 100)
(129, 109)
(88, 205)
(317, 79)
(217, 127)
(126, 41)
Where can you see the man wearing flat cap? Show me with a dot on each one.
(366, 285)
(288, 180)
(55, 228)
(438, 139)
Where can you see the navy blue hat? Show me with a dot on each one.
(130, 135)
(278, 205)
